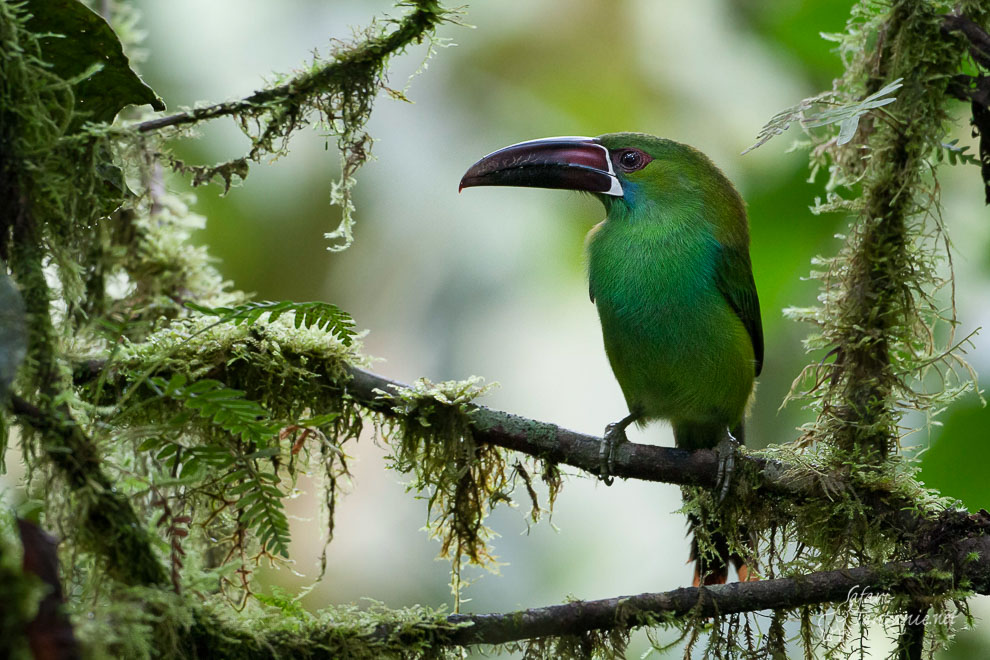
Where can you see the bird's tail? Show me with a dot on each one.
(712, 557)
(712, 565)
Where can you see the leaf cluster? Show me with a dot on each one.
(954, 154)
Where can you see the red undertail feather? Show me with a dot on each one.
(714, 569)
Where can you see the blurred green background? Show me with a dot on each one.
(491, 282)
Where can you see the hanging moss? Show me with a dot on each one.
(881, 312)
(461, 479)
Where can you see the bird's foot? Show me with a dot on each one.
(726, 451)
(615, 435)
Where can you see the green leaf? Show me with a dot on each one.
(264, 453)
(243, 488)
(82, 47)
(250, 497)
(955, 153)
(149, 444)
(222, 406)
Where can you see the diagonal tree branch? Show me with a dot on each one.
(632, 460)
(671, 465)
(411, 29)
(555, 443)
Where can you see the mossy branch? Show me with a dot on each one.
(880, 311)
(340, 92)
(957, 567)
(632, 460)
(349, 65)
(558, 445)
(924, 576)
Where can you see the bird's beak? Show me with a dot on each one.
(570, 163)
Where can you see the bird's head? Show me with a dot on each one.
(631, 168)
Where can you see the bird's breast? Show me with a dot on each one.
(675, 345)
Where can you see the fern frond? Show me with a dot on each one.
(325, 316)
(224, 407)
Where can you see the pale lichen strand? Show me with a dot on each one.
(460, 479)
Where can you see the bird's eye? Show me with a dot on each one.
(631, 160)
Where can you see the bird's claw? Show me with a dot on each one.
(726, 452)
(615, 435)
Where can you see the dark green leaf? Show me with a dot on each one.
(150, 443)
(80, 45)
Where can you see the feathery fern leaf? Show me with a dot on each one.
(325, 316)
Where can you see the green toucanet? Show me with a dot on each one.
(670, 274)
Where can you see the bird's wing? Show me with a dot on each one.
(734, 278)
